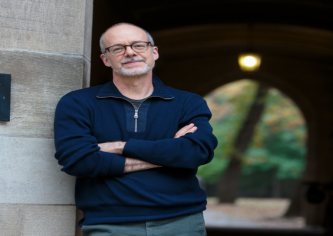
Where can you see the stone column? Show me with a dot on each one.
(45, 45)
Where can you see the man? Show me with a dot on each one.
(135, 145)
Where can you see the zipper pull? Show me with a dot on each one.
(136, 114)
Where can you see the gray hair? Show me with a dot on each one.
(101, 43)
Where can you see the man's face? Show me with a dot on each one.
(130, 63)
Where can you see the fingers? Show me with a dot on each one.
(186, 129)
(183, 130)
(193, 129)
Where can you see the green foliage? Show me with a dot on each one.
(211, 172)
(279, 139)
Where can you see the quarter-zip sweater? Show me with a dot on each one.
(103, 192)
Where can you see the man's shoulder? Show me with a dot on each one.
(182, 94)
(191, 103)
(84, 92)
(177, 94)
(81, 97)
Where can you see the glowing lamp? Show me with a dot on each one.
(249, 62)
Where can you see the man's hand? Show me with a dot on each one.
(186, 129)
(112, 147)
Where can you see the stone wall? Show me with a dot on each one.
(45, 45)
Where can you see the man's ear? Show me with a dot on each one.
(155, 53)
(105, 60)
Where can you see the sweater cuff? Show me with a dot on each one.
(117, 165)
(133, 148)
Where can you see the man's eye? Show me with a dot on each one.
(138, 46)
(117, 49)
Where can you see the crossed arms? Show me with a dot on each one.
(78, 151)
(132, 164)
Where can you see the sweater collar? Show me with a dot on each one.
(110, 90)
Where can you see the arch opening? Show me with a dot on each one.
(255, 177)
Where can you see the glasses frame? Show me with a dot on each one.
(125, 46)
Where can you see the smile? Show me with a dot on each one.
(131, 62)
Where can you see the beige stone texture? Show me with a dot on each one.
(38, 82)
(9, 220)
(88, 29)
(44, 25)
(31, 175)
(48, 220)
(87, 43)
(46, 46)
(86, 73)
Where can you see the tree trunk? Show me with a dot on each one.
(295, 206)
(297, 201)
(229, 180)
(276, 185)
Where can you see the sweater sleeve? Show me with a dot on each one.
(76, 148)
(188, 151)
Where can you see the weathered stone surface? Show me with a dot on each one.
(31, 175)
(48, 220)
(9, 220)
(86, 74)
(44, 25)
(38, 82)
(88, 29)
(87, 43)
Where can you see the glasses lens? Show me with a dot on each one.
(116, 50)
(140, 47)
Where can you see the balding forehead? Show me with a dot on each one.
(123, 28)
(126, 25)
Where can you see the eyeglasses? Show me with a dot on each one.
(117, 50)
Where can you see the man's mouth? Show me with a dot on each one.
(132, 61)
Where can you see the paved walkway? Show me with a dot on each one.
(251, 213)
(213, 218)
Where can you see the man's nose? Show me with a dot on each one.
(129, 51)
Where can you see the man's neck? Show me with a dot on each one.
(134, 87)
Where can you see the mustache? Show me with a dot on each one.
(132, 59)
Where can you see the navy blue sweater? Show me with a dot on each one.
(103, 192)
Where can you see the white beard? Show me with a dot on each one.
(134, 71)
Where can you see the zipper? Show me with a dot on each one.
(136, 114)
(136, 111)
(136, 119)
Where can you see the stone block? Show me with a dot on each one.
(48, 220)
(9, 220)
(44, 25)
(38, 82)
(31, 175)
